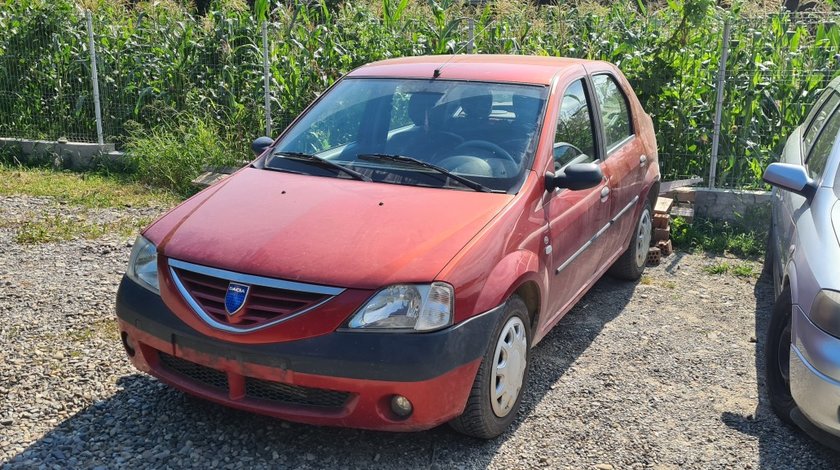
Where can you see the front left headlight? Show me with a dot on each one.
(825, 312)
(407, 307)
(142, 265)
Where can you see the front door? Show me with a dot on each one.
(574, 217)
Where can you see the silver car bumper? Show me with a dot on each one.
(814, 355)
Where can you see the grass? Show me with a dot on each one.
(59, 228)
(718, 238)
(737, 269)
(92, 190)
(102, 328)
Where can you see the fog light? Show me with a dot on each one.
(401, 406)
(128, 344)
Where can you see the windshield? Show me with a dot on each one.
(466, 135)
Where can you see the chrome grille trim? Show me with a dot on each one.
(247, 279)
(255, 280)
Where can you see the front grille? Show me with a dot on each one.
(255, 389)
(205, 375)
(294, 395)
(264, 304)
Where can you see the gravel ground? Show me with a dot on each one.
(657, 374)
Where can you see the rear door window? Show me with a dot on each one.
(615, 111)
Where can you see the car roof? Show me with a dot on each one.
(537, 70)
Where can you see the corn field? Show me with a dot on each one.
(169, 74)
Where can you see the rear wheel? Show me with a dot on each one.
(631, 264)
(501, 379)
(777, 355)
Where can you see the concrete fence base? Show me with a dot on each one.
(750, 209)
(63, 154)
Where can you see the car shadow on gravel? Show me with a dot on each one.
(780, 445)
(147, 424)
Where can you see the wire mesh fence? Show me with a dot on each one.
(46, 96)
(152, 69)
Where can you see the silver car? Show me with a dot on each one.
(803, 254)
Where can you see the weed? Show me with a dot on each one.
(646, 280)
(58, 228)
(717, 268)
(737, 269)
(717, 237)
(83, 189)
(172, 156)
(744, 270)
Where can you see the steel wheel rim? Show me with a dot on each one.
(643, 235)
(784, 353)
(508, 367)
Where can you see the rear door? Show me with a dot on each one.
(625, 162)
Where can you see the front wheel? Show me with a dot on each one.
(631, 264)
(777, 355)
(501, 379)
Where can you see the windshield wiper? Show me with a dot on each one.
(410, 161)
(309, 158)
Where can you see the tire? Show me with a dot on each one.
(488, 414)
(631, 264)
(777, 358)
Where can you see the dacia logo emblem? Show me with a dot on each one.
(235, 297)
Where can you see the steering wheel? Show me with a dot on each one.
(562, 163)
(485, 145)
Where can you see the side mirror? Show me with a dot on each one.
(791, 177)
(575, 177)
(259, 145)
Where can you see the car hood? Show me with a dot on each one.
(322, 230)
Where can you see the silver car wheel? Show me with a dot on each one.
(643, 236)
(509, 364)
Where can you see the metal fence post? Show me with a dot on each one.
(470, 35)
(721, 81)
(94, 77)
(266, 79)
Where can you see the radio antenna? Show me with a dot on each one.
(437, 71)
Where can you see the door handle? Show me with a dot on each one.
(605, 193)
(643, 160)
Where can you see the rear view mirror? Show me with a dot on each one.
(791, 177)
(575, 177)
(259, 145)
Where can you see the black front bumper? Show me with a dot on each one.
(403, 357)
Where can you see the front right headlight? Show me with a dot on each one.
(142, 265)
(825, 312)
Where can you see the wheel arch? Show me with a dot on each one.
(529, 292)
(791, 280)
(517, 273)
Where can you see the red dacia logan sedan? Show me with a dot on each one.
(390, 260)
